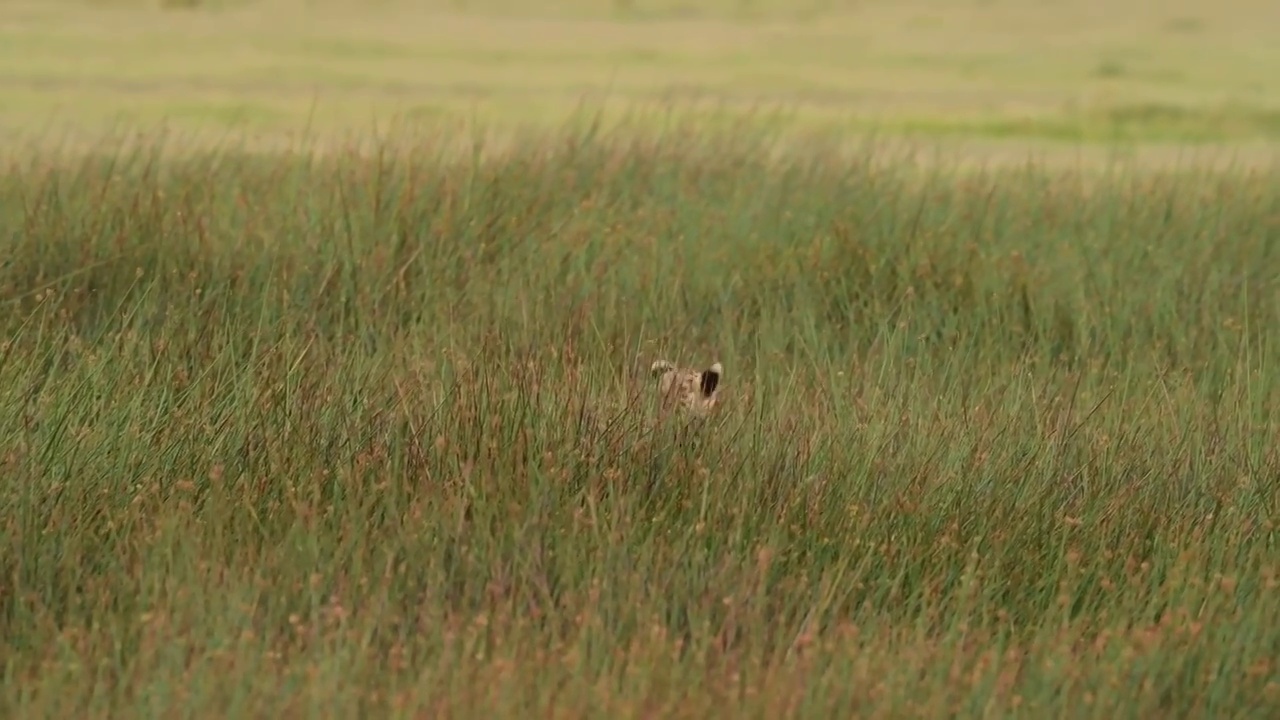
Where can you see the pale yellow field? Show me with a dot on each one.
(998, 75)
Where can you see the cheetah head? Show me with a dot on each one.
(694, 390)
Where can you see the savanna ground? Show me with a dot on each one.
(306, 412)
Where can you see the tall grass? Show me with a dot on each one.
(369, 432)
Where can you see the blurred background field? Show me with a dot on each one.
(998, 76)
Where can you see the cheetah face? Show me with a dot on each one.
(694, 390)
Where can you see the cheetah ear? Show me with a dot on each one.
(709, 379)
(660, 367)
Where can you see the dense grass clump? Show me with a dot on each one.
(364, 432)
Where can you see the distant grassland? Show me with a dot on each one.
(1095, 71)
(369, 434)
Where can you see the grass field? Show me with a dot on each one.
(343, 410)
(289, 436)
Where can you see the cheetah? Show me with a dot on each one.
(695, 390)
